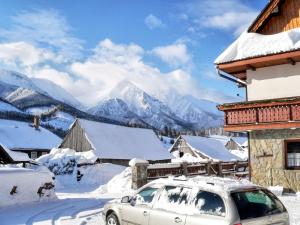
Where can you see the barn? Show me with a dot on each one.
(113, 143)
(204, 148)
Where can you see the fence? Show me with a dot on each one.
(142, 173)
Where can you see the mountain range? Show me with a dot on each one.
(126, 103)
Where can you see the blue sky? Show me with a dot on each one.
(89, 46)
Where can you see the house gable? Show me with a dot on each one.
(76, 139)
(278, 16)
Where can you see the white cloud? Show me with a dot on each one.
(24, 54)
(175, 54)
(153, 22)
(44, 27)
(229, 15)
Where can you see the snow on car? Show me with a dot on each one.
(199, 200)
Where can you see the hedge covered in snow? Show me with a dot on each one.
(64, 161)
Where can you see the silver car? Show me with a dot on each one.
(198, 201)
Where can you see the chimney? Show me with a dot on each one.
(36, 122)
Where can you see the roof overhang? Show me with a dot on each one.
(238, 68)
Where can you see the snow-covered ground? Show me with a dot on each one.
(80, 207)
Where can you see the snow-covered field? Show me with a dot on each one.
(80, 207)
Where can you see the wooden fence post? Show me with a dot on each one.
(220, 171)
(139, 173)
(208, 168)
(184, 166)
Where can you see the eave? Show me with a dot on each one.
(238, 68)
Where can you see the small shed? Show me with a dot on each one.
(23, 137)
(114, 143)
(10, 157)
(202, 148)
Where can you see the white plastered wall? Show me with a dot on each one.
(274, 82)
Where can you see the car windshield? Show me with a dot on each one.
(264, 202)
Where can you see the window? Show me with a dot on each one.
(174, 198)
(264, 202)
(146, 195)
(209, 203)
(292, 148)
(33, 155)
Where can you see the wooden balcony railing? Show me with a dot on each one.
(266, 114)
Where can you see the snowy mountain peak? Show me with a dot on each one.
(42, 86)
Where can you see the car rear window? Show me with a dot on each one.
(264, 202)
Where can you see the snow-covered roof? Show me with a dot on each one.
(250, 45)
(242, 141)
(15, 156)
(210, 147)
(20, 135)
(221, 138)
(119, 142)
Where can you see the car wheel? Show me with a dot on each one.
(112, 219)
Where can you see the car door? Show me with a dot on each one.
(171, 206)
(207, 208)
(137, 212)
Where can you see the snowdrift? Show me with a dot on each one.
(21, 185)
(63, 163)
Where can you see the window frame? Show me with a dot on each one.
(287, 167)
(33, 152)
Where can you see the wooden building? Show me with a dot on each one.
(113, 143)
(265, 61)
(202, 148)
(27, 138)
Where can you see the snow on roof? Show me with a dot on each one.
(250, 45)
(242, 141)
(221, 138)
(15, 156)
(15, 134)
(113, 141)
(210, 147)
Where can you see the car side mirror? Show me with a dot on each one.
(126, 199)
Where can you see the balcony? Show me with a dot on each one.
(260, 115)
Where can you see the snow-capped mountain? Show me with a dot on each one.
(147, 108)
(200, 112)
(57, 92)
(116, 109)
(41, 86)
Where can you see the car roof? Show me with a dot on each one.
(213, 184)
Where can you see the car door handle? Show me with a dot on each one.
(145, 213)
(177, 220)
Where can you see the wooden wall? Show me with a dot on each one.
(288, 18)
(76, 139)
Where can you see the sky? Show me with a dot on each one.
(88, 47)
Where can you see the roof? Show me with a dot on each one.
(252, 45)
(120, 142)
(20, 135)
(210, 147)
(264, 15)
(14, 156)
(242, 141)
